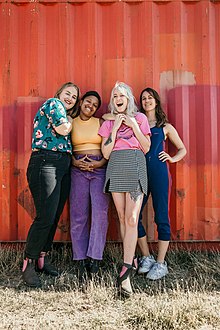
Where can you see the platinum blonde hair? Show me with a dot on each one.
(132, 108)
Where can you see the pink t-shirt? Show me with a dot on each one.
(125, 137)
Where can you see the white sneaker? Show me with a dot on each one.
(158, 271)
(146, 263)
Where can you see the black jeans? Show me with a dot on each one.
(48, 176)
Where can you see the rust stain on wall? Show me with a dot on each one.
(26, 201)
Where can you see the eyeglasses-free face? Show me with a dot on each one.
(148, 102)
(68, 97)
(120, 101)
(88, 107)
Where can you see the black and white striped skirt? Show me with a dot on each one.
(126, 171)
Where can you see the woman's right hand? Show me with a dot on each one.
(81, 163)
(119, 119)
(109, 142)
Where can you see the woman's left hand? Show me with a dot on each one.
(130, 121)
(70, 119)
(92, 164)
(163, 156)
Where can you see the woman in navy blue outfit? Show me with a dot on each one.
(158, 182)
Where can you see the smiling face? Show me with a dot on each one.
(68, 97)
(88, 107)
(120, 101)
(148, 102)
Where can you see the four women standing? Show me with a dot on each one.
(123, 141)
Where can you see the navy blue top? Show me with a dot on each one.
(156, 168)
(157, 142)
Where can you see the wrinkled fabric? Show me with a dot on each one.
(88, 213)
(48, 176)
(159, 184)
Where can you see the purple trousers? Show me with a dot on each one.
(88, 213)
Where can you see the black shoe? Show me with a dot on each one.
(48, 268)
(83, 267)
(29, 274)
(124, 289)
(94, 266)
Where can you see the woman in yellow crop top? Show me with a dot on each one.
(88, 203)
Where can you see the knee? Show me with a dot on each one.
(132, 221)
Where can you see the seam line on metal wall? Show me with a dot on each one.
(49, 2)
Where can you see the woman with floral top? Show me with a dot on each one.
(48, 176)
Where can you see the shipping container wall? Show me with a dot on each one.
(172, 46)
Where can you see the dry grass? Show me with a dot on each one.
(188, 298)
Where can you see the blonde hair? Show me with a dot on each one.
(132, 108)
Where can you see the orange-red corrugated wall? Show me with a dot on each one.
(172, 46)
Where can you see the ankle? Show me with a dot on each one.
(26, 261)
(125, 267)
(40, 261)
(135, 263)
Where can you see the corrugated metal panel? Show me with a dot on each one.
(173, 46)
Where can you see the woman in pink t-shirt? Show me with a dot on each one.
(125, 141)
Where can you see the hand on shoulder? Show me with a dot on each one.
(108, 116)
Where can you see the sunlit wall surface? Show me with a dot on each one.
(172, 46)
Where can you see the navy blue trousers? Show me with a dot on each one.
(158, 187)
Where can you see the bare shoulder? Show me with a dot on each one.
(171, 133)
(169, 129)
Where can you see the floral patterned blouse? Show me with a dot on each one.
(51, 114)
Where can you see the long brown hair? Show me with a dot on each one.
(161, 116)
(71, 112)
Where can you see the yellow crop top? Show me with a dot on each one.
(84, 134)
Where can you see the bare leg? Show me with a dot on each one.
(128, 213)
(162, 250)
(119, 201)
(142, 243)
(131, 220)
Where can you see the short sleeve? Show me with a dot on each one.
(55, 112)
(105, 129)
(143, 124)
